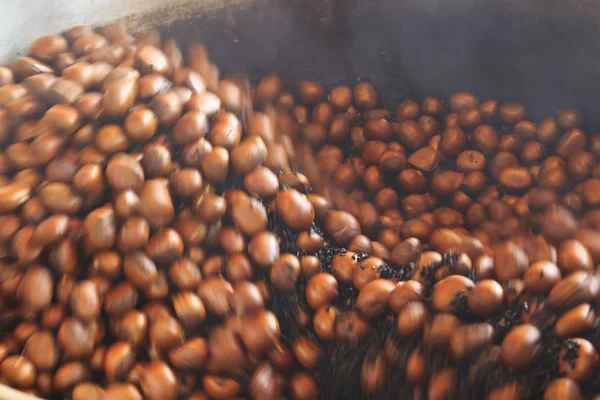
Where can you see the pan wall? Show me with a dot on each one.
(22, 21)
(545, 53)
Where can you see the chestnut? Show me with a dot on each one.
(158, 382)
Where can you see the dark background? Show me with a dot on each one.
(543, 53)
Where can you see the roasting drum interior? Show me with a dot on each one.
(542, 53)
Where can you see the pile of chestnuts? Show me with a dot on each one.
(167, 233)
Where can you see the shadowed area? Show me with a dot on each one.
(544, 53)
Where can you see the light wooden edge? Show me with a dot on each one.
(8, 393)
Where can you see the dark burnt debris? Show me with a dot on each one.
(339, 370)
(571, 347)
